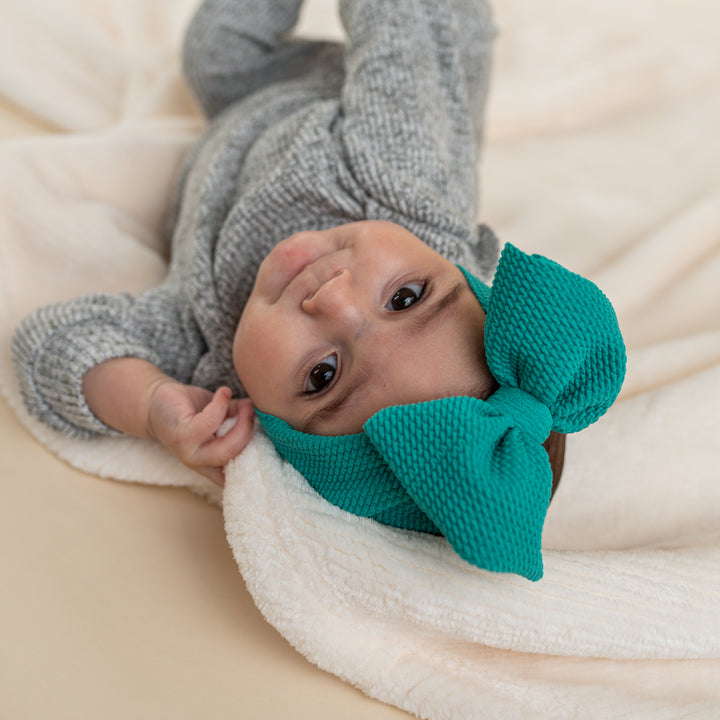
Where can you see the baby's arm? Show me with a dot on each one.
(135, 397)
(119, 348)
(233, 47)
(417, 75)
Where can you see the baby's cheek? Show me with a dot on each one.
(257, 352)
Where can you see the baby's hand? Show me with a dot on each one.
(186, 419)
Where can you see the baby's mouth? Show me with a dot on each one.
(311, 278)
(291, 258)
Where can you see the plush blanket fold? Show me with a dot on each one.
(602, 153)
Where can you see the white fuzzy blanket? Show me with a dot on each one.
(602, 152)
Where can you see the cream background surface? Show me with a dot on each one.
(119, 600)
(124, 599)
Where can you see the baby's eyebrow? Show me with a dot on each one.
(428, 313)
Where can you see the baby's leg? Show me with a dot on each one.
(233, 47)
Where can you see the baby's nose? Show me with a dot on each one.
(334, 298)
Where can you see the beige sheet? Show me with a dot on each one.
(602, 152)
(124, 601)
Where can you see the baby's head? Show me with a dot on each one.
(344, 322)
(405, 389)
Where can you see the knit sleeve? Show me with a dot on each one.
(55, 346)
(416, 80)
(234, 47)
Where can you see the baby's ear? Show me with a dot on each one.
(555, 448)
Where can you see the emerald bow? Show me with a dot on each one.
(476, 470)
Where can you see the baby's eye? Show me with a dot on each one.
(321, 375)
(406, 296)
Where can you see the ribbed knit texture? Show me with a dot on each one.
(349, 472)
(304, 135)
(563, 341)
(477, 470)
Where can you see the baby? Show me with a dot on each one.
(324, 273)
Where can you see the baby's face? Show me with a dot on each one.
(344, 322)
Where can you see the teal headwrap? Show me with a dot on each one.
(476, 470)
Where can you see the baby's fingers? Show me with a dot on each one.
(218, 451)
(233, 442)
(207, 422)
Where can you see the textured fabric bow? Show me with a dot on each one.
(476, 470)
